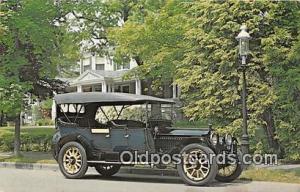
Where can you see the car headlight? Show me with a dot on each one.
(228, 139)
(221, 140)
(214, 138)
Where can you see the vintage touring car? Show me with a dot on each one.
(95, 129)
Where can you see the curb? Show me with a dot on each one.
(31, 166)
(124, 170)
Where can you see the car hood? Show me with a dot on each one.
(188, 132)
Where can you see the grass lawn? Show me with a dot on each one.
(278, 175)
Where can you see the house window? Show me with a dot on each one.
(121, 66)
(87, 88)
(117, 88)
(122, 88)
(98, 88)
(116, 67)
(86, 64)
(125, 89)
(126, 65)
(86, 67)
(100, 67)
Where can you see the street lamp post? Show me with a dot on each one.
(243, 38)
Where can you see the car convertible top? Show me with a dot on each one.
(108, 98)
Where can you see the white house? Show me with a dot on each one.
(103, 75)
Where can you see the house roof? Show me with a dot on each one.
(107, 98)
(66, 80)
(110, 74)
(98, 75)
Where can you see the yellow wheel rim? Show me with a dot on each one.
(72, 160)
(196, 165)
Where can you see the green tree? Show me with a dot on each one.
(285, 69)
(88, 22)
(154, 39)
(194, 42)
(211, 80)
(31, 55)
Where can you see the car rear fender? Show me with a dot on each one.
(77, 138)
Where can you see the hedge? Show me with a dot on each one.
(32, 139)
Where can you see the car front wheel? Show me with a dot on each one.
(198, 166)
(72, 160)
(107, 170)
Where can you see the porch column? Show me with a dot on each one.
(112, 87)
(138, 87)
(108, 87)
(104, 89)
(53, 110)
(174, 91)
(93, 61)
(79, 88)
(81, 66)
(178, 91)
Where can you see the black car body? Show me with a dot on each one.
(81, 141)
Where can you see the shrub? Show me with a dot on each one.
(44, 122)
(35, 139)
(7, 142)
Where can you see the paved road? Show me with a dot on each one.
(17, 180)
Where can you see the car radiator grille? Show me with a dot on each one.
(166, 144)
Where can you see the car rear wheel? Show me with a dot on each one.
(72, 160)
(107, 170)
(197, 168)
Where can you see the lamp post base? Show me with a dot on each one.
(245, 144)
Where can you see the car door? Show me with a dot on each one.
(137, 140)
(101, 138)
(119, 140)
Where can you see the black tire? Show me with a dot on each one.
(107, 170)
(66, 165)
(234, 174)
(212, 167)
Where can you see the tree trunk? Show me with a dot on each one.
(270, 130)
(17, 142)
(1, 119)
(155, 108)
